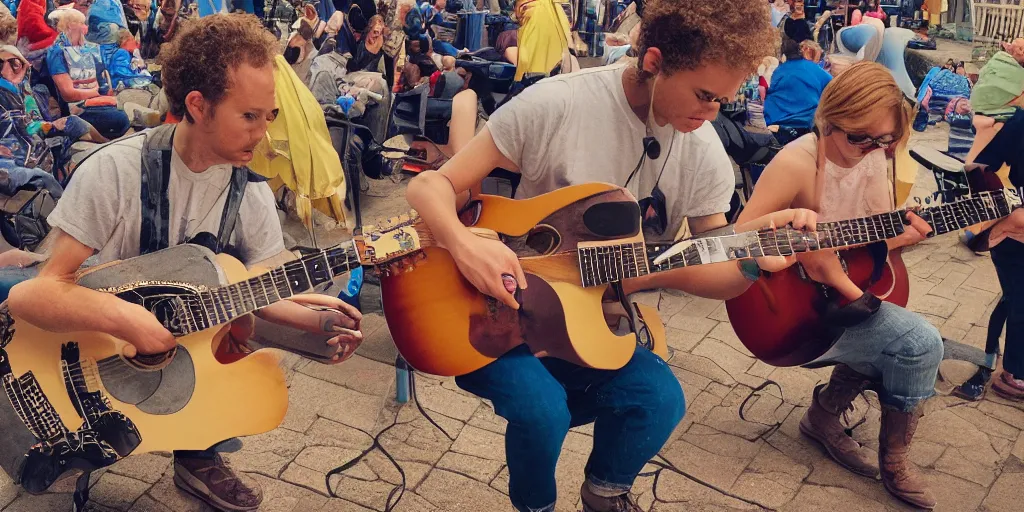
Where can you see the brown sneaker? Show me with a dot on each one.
(595, 503)
(821, 422)
(214, 482)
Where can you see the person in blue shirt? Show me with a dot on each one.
(794, 92)
(83, 85)
(441, 27)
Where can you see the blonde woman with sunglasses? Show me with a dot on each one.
(840, 170)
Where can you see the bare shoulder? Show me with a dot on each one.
(796, 159)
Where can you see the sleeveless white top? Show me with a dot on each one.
(852, 192)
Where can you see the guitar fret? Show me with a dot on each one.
(210, 307)
(960, 216)
(267, 280)
(252, 296)
(243, 303)
(224, 296)
(617, 252)
(234, 303)
(973, 203)
(281, 285)
(193, 326)
(222, 314)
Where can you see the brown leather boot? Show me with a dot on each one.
(900, 476)
(821, 422)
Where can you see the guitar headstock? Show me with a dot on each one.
(391, 239)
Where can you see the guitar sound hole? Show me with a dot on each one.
(543, 240)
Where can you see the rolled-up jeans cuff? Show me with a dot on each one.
(903, 403)
(606, 489)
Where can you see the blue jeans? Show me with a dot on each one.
(109, 121)
(634, 410)
(445, 48)
(898, 347)
(1008, 258)
(15, 178)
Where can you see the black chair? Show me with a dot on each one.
(351, 141)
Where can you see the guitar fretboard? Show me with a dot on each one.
(603, 265)
(221, 305)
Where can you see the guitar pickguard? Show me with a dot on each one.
(168, 301)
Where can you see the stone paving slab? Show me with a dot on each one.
(971, 453)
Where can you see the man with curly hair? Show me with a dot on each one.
(646, 128)
(225, 101)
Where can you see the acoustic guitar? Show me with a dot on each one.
(573, 244)
(780, 318)
(76, 402)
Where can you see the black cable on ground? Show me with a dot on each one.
(398, 491)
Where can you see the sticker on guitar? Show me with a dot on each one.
(702, 251)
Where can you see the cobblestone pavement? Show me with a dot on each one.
(971, 452)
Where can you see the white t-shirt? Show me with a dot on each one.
(579, 128)
(101, 207)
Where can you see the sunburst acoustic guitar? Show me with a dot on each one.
(780, 319)
(573, 244)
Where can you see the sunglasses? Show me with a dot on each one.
(14, 63)
(865, 141)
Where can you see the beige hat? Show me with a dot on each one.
(13, 50)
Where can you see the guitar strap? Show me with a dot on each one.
(155, 204)
(633, 317)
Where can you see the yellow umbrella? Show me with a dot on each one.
(544, 36)
(297, 152)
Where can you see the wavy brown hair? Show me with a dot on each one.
(693, 33)
(201, 55)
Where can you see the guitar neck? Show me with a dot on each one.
(606, 264)
(221, 305)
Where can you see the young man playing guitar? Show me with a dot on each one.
(840, 170)
(225, 100)
(594, 126)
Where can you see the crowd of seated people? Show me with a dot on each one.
(88, 70)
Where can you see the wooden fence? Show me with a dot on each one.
(997, 20)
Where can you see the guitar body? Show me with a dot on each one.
(189, 403)
(443, 326)
(779, 318)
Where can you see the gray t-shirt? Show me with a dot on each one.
(579, 128)
(102, 206)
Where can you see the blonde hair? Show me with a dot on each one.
(808, 45)
(851, 103)
(64, 17)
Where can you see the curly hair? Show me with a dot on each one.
(200, 56)
(693, 33)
